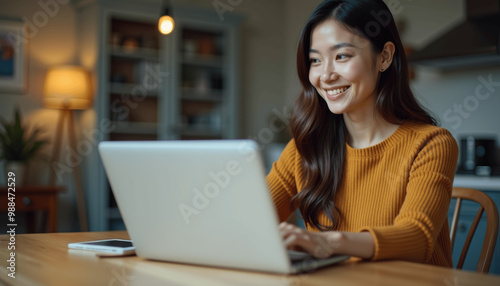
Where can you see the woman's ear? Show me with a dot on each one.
(385, 57)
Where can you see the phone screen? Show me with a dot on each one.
(115, 243)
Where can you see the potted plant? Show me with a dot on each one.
(17, 147)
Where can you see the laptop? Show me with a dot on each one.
(201, 202)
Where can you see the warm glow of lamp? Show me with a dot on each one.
(67, 87)
(166, 24)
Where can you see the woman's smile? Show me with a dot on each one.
(336, 92)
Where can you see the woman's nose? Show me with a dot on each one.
(329, 74)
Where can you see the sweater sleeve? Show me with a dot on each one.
(423, 213)
(282, 182)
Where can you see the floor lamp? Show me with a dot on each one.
(68, 88)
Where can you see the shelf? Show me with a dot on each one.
(126, 88)
(134, 53)
(193, 94)
(201, 131)
(143, 128)
(198, 101)
(203, 61)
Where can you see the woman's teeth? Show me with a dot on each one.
(337, 91)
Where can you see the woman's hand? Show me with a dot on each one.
(327, 243)
(318, 244)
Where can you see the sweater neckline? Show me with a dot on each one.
(379, 148)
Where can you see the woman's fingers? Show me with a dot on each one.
(298, 241)
(287, 229)
(293, 236)
(297, 238)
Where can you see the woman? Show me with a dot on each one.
(367, 167)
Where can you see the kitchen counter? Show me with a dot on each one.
(477, 182)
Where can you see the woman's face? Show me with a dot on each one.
(342, 68)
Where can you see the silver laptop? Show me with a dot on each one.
(200, 202)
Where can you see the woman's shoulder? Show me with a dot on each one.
(425, 129)
(290, 149)
(425, 133)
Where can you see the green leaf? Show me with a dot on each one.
(16, 143)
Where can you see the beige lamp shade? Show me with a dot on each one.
(67, 87)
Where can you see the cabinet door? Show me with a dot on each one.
(133, 91)
(202, 97)
(133, 94)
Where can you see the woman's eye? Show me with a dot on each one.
(343, 56)
(313, 60)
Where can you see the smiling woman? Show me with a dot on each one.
(367, 167)
(342, 69)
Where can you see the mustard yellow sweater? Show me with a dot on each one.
(399, 190)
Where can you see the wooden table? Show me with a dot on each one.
(35, 198)
(44, 259)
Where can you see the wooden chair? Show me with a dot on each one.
(490, 238)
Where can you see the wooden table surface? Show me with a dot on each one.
(44, 259)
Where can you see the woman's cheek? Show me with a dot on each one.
(313, 77)
(350, 72)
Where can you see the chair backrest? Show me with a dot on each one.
(486, 205)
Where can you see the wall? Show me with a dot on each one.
(52, 41)
(297, 13)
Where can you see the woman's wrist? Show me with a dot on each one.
(359, 244)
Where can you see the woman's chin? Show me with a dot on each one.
(336, 110)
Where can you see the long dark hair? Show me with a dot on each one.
(321, 136)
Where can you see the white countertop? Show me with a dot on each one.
(477, 182)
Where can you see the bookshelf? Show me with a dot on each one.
(182, 86)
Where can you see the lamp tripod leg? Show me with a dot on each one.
(57, 146)
(82, 210)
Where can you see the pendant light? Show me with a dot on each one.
(166, 23)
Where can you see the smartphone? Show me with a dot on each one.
(115, 246)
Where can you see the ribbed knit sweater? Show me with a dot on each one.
(399, 190)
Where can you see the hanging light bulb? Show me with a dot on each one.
(166, 23)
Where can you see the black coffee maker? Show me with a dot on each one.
(478, 156)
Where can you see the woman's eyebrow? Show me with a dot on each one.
(335, 47)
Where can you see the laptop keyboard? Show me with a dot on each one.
(299, 255)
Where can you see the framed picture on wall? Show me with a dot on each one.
(13, 56)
